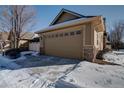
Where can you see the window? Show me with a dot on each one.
(66, 34)
(71, 33)
(78, 32)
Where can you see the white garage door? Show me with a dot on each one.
(35, 46)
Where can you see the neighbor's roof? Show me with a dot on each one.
(24, 35)
(69, 23)
(27, 35)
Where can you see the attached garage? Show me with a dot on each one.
(71, 35)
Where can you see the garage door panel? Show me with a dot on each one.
(66, 46)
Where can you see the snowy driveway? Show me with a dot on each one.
(34, 71)
(47, 71)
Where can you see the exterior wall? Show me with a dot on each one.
(34, 46)
(65, 17)
(88, 47)
(88, 34)
(98, 40)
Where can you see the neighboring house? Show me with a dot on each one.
(24, 41)
(72, 35)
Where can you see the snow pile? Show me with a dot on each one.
(29, 52)
(93, 75)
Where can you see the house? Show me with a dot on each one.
(72, 35)
(25, 37)
(4, 43)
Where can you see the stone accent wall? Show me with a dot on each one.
(90, 54)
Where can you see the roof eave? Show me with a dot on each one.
(68, 23)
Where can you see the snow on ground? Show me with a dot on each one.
(115, 57)
(47, 71)
(29, 52)
(95, 75)
(6, 63)
(19, 75)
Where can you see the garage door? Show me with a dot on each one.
(67, 45)
(34, 46)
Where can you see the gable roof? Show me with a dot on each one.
(66, 11)
(24, 35)
(27, 35)
(77, 16)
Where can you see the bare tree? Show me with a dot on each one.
(116, 35)
(17, 19)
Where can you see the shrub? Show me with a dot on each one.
(23, 49)
(13, 53)
(100, 53)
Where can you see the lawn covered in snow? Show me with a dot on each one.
(47, 71)
(95, 75)
(115, 57)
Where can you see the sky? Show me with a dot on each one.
(46, 13)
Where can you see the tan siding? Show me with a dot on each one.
(65, 17)
(88, 34)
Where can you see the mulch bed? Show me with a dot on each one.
(102, 62)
